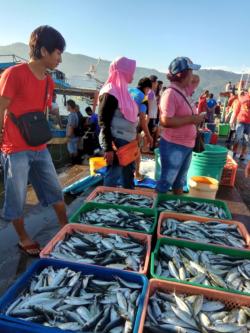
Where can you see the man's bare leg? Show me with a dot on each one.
(60, 210)
(24, 238)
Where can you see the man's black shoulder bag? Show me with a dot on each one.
(33, 125)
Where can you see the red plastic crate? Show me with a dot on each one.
(100, 189)
(229, 172)
(186, 217)
(71, 228)
(232, 301)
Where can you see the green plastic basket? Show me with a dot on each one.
(224, 129)
(243, 254)
(215, 149)
(93, 205)
(217, 203)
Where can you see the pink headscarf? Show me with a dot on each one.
(121, 73)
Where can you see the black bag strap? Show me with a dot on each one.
(15, 119)
(180, 93)
(46, 93)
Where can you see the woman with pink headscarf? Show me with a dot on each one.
(118, 120)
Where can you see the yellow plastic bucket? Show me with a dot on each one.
(203, 187)
(96, 163)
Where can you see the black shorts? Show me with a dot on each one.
(152, 124)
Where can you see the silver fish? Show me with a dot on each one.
(104, 250)
(209, 232)
(118, 218)
(126, 199)
(203, 267)
(87, 304)
(194, 208)
(180, 313)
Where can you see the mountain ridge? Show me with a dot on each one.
(76, 65)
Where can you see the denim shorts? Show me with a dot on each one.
(37, 168)
(72, 145)
(242, 133)
(175, 162)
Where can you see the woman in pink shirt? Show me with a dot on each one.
(179, 124)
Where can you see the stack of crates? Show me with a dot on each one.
(229, 172)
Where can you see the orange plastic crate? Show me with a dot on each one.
(100, 189)
(230, 300)
(186, 217)
(70, 228)
(229, 172)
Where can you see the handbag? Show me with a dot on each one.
(33, 125)
(127, 153)
(199, 146)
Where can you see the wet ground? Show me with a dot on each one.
(42, 226)
(40, 223)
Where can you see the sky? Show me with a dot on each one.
(213, 33)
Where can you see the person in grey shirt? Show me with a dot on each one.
(72, 125)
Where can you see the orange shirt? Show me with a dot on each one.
(26, 93)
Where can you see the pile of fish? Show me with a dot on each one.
(203, 267)
(191, 207)
(70, 300)
(117, 218)
(119, 198)
(111, 250)
(209, 232)
(193, 314)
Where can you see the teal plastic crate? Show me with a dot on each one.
(217, 203)
(242, 254)
(94, 205)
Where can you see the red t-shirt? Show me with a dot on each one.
(242, 111)
(202, 106)
(26, 93)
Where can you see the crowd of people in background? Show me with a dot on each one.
(148, 94)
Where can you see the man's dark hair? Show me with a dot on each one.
(47, 37)
(153, 78)
(144, 82)
(71, 103)
(179, 77)
(211, 96)
(88, 109)
(159, 82)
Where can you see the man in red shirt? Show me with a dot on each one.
(202, 106)
(241, 116)
(26, 88)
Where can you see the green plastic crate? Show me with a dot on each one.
(243, 254)
(94, 205)
(217, 203)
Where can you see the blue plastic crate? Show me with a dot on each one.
(10, 327)
(100, 272)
